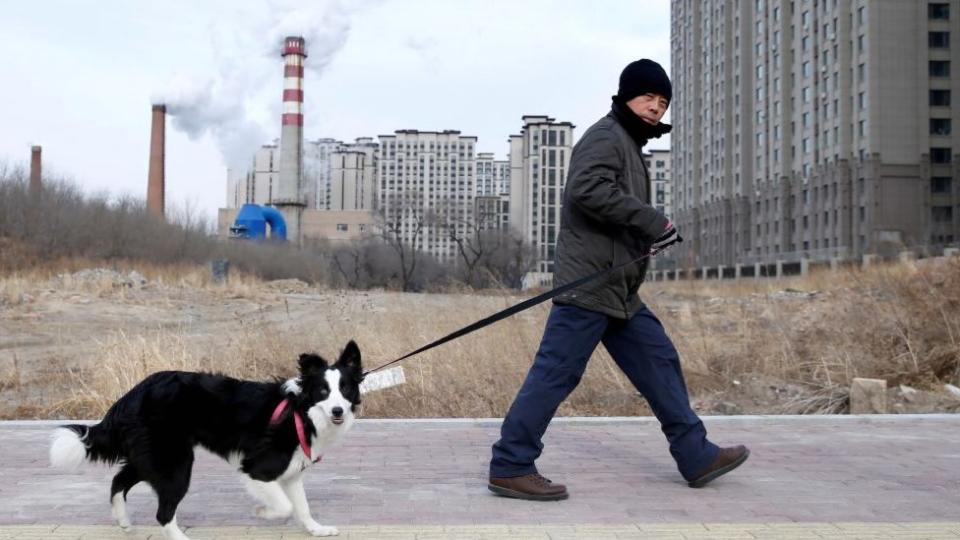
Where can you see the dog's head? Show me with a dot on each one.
(331, 394)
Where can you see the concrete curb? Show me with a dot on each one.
(772, 418)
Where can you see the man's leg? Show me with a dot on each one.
(569, 339)
(646, 355)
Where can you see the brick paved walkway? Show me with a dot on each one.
(807, 477)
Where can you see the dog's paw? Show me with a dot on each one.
(264, 512)
(124, 523)
(119, 511)
(316, 529)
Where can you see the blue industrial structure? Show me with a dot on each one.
(252, 223)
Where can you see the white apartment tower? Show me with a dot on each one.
(351, 180)
(426, 179)
(316, 170)
(336, 176)
(539, 161)
(813, 128)
(256, 185)
(493, 176)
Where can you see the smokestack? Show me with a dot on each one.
(35, 164)
(288, 198)
(155, 178)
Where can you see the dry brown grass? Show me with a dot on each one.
(899, 322)
(472, 377)
(746, 342)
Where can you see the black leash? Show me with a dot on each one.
(512, 310)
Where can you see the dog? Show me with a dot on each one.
(271, 431)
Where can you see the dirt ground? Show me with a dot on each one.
(54, 332)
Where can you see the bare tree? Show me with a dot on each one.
(475, 238)
(400, 223)
(510, 260)
(489, 254)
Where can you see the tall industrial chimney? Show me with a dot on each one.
(35, 164)
(155, 178)
(288, 197)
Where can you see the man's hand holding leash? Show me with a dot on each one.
(669, 237)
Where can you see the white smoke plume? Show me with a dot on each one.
(239, 103)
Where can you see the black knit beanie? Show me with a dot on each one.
(642, 77)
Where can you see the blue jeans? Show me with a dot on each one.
(640, 347)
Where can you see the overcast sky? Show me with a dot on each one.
(80, 75)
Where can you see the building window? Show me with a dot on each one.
(938, 10)
(940, 155)
(939, 98)
(939, 126)
(939, 68)
(941, 184)
(939, 40)
(942, 214)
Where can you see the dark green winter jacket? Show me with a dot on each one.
(606, 220)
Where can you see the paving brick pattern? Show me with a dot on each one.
(807, 477)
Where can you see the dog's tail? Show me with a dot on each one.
(73, 444)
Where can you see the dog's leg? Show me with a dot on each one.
(122, 482)
(276, 504)
(293, 487)
(171, 486)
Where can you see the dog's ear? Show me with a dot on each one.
(312, 365)
(350, 359)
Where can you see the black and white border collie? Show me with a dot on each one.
(271, 431)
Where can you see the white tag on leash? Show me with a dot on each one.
(382, 379)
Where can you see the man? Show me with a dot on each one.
(606, 221)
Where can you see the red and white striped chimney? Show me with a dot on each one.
(288, 195)
(294, 54)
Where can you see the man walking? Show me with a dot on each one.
(606, 221)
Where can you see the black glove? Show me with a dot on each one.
(667, 239)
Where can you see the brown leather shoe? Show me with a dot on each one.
(727, 460)
(532, 487)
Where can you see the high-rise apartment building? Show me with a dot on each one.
(492, 212)
(316, 171)
(813, 128)
(493, 176)
(351, 180)
(539, 161)
(257, 184)
(426, 183)
(336, 176)
(661, 193)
